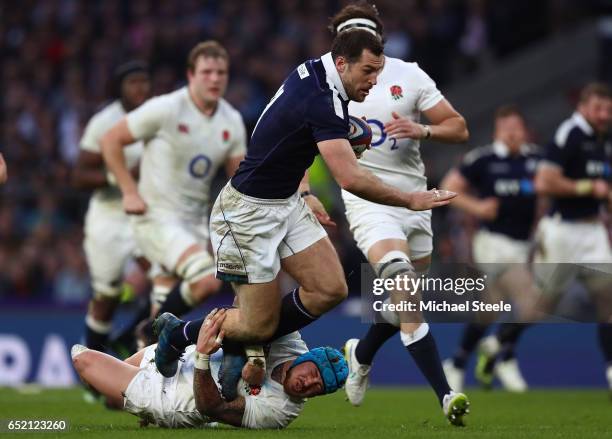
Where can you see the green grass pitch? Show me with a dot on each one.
(386, 413)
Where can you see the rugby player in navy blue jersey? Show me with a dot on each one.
(500, 175)
(576, 173)
(261, 221)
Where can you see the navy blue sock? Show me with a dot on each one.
(377, 335)
(510, 332)
(604, 331)
(95, 340)
(174, 302)
(472, 334)
(507, 352)
(425, 355)
(186, 334)
(126, 336)
(293, 315)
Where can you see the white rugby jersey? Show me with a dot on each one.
(107, 200)
(183, 150)
(406, 89)
(271, 407)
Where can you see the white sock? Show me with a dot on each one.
(421, 331)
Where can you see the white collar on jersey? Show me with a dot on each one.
(501, 150)
(332, 74)
(582, 123)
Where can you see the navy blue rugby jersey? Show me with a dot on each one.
(493, 172)
(311, 106)
(580, 154)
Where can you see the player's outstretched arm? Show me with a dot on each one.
(208, 400)
(341, 161)
(112, 144)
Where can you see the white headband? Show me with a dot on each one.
(358, 23)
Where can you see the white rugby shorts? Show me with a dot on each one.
(251, 235)
(163, 236)
(166, 402)
(493, 252)
(108, 245)
(372, 222)
(561, 244)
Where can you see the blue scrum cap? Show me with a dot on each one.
(331, 364)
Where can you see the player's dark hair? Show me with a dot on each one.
(508, 110)
(595, 89)
(207, 49)
(360, 9)
(351, 45)
(124, 70)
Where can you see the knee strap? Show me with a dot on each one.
(196, 267)
(391, 265)
(394, 263)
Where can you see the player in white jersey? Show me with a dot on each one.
(109, 241)
(397, 241)
(191, 397)
(188, 134)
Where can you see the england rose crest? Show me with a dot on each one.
(396, 92)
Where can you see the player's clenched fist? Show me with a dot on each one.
(133, 204)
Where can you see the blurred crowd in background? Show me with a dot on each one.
(56, 60)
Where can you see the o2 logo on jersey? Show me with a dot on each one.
(380, 132)
(199, 166)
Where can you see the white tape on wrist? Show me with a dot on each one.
(111, 179)
(202, 361)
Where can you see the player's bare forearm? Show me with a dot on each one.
(89, 171)
(112, 144)
(314, 203)
(231, 165)
(209, 402)
(481, 208)
(341, 161)
(451, 130)
(447, 125)
(366, 185)
(467, 203)
(89, 179)
(304, 183)
(550, 181)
